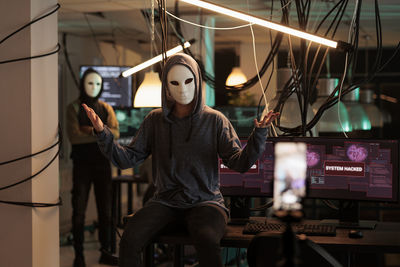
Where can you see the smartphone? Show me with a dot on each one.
(290, 170)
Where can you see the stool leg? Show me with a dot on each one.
(148, 255)
(130, 198)
(118, 204)
(178, 255)
(113, 219)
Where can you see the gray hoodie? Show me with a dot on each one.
(185, 151)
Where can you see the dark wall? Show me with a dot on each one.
(224, 61)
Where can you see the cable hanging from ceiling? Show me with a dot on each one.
(305, 76)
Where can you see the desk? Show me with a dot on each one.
(385, 238)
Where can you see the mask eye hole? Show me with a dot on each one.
(174, 83)
(187, 81)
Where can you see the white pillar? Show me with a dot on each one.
(28, 118)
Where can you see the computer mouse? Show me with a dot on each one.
(355, 234)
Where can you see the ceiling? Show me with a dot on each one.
(122, 21)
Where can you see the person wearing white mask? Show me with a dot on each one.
(90, 166)
(185, 138)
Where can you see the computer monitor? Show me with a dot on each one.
(352, 170)
(337, 169)
(256, 182)
(129, 120)
(117, 89)
(241, 187)
(241, 118)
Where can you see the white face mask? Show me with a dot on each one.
(92, 84)
(181, 84)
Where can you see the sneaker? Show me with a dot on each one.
(79, 261)
(107, 258)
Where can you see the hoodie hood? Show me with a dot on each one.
(168, 102)
(84, 97)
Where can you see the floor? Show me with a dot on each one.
(91, 245)
(230, 255)
(92, 253)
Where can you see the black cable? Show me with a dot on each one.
(263, 207)
(32, 176)
(304, 93)
(397, 49)
(32, 57)
(310, 72)
(28, 156)
(309, 85)
(210, 80)
(164, 29)
(271, 73)
(118, 233)
(37, 153)
(329, 204)
(33, 204)
(323, 253)
(40, 171)
(30, 23)
(326, 16)
(332, 100)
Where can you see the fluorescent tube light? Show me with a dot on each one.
(154, 60)
(261, 22)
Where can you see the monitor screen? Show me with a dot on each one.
(255, 182)
(342, 169)
(129, 120)
(117, 90)
(241, 118)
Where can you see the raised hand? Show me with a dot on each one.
(267, 120)
(96, 121)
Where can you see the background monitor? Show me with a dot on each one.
(117, 89)
(241, 118)
(129, 120)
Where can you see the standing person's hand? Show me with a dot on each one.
(96, 121)
(267, 120)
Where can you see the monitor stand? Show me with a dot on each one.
(349, 214)
(239, 210)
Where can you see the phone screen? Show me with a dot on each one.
(289, 175)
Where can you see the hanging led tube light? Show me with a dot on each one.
(263, 22)
(154, 60)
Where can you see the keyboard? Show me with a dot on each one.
(255, 227)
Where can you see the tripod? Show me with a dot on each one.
(289, 241)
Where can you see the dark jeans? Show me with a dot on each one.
(205, 224)
(84, 176)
